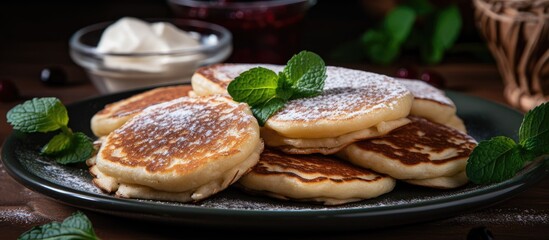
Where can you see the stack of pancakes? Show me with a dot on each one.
(348, 144)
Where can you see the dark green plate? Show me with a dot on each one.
(233, 208)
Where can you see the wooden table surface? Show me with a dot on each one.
(524, 216)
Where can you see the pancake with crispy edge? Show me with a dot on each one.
(354, 105)
(314, 177)
(419, 150)
(183, 150)
(113, 115)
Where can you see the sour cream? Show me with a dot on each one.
(134, 36)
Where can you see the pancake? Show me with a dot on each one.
(315, 178)
(354, 105)
(183, 150)
(449, 182)
(115, 114)
(419, 150)
(343, 108)
(433, 104)
(328, 145)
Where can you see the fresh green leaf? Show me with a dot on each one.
(431, 54)
(495, 160)
(255, 86)
(77, 227)
(373, 36)
(305, 73)
(38, 115)
(445, 28)
(534, 130)
(376, 49)
(266, 92)
(46, 115)
(383, 52)
(57, 144)
(284, 90)
(79, 221)
(266, 110)
(382, 46)
(398, 23)
(80, 150)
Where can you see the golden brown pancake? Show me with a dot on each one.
(315, 178)
(115, 114)
(182, 150)
(433, 104)
(419, 150)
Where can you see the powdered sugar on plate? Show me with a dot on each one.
(68, 176)
(505, 216)
(18, 215)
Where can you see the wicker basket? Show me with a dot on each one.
(517, 33)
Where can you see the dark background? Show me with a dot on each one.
(27, 26)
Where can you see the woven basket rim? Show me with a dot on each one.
(485, 7)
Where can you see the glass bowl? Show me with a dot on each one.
(149, 68)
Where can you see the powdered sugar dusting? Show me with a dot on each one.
(347, 93)
(509, 216)
(68, 176)
(423, 90)
(18, 215)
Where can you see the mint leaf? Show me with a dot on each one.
(398, 23)
(266, 92)
(379, 48)
(534, 130)
(305, 74)
(46, 115)
(38, 115)
(254, 86)
(77, 226)
(284, 90)
(79, 221)
(495, 160)
(384, 52)
(57, 144)
(382, 45)
(447, 27)
(81, 148)
(266, 110)
(445, 30)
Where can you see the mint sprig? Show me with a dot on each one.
(47, 115)
(500, 158)
(39, 115)
(77, 226)
(266, 92)
(412, 26)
